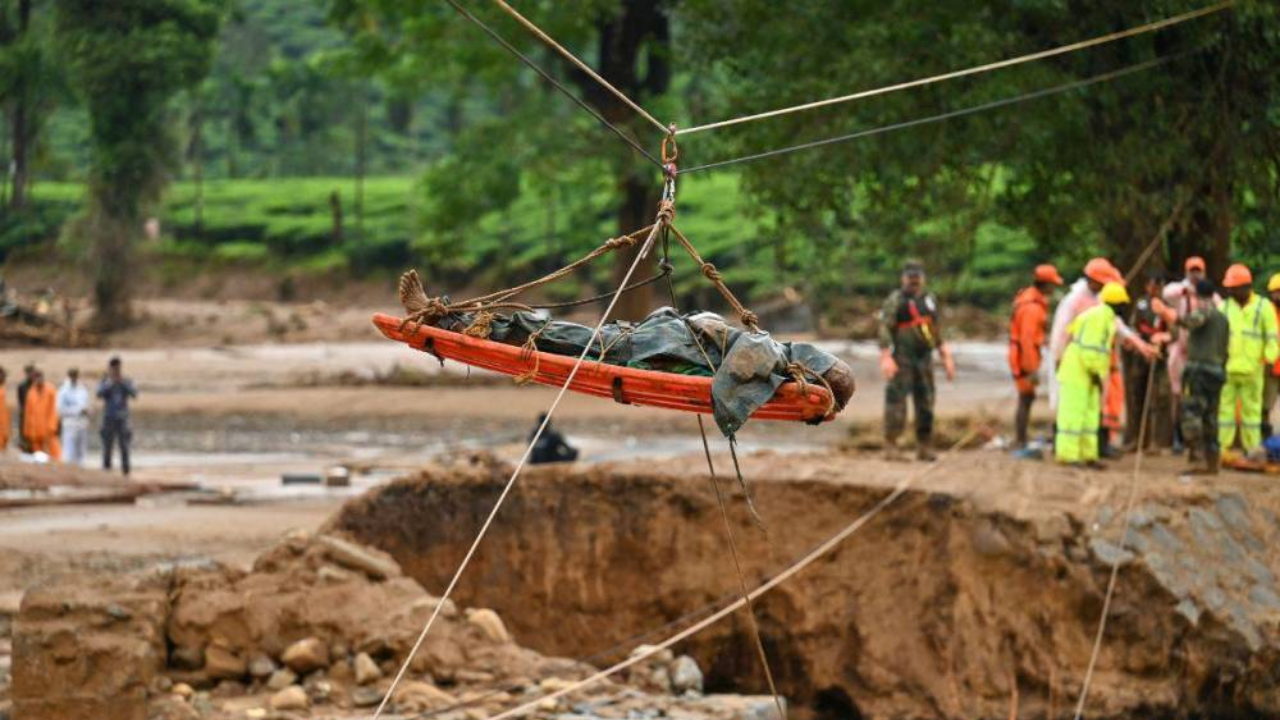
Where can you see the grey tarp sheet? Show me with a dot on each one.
(748, 367)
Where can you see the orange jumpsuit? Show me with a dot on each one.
(1026, 337)
(40, 423)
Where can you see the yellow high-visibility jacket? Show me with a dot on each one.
(1253, 340)
(1088, 354)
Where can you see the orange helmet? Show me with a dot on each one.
(1048, 274)
(1236, 276)
(1099, 270)
(1195, 262)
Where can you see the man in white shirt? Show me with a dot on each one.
(73, 409)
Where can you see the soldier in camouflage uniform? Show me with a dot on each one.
(909, 335)
(1203, 377)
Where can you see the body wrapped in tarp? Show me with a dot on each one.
(746, 368)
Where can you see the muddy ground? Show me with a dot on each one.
(898, 624)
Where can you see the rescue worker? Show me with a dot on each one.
(1083, 296)
(1253, 346)
(73, 408)
(1182, 299)
(1272, 388)
(1207, 335)
(40, 419)
(1147, 321)
(1082, 372)
(909, 335)
(115, 390)
(28, 376)
(6, 425)
(1027, 332)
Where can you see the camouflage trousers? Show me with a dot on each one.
(914, 381)
(1200, 393)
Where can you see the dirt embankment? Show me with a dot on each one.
(951, 604)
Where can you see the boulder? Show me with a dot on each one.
(686, 675)
(290, 698)
(281, 679)
(417, 696)
(261, 666)
(366, 670)
(489, 623)
(306, 655)
(222, 664)
(376, 564)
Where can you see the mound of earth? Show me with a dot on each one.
(319, 625)
(975, 595)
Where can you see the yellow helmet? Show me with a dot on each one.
(1113, 293)
(1274, 283)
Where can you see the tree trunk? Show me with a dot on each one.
(641, 30)
(21, 132)
(362, 141)
(639, 203)
(113, 267)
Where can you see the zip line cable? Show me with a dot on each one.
(580, 65)
(555, 83)
(484, 529)
(813, 556)
(1149, 27)
(1057, 89)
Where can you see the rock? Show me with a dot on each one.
(489, 622)
(449, 609)
(281, 679)
(306, 655)
(660, 679)
(222, 664)
(290, 698)
(1108, 553)
(686, 675)
(184, 691)
(330, 575)
(366, 669)
(363, 697)
(261, 666)
(416, 696)
(318, 687)
(376, 565)
(228, 689)
(662, 657)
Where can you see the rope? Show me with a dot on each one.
(752, 623)
(555, 83)
(709, 271)
(724, 515)
(437, 308)
(1124, 534)
(1149, 27)
(580, 65)
(1133, 480)
(813, 556)
(484, 529)
(1057, 89)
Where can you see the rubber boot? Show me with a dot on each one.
(924, 453)
(891, 451)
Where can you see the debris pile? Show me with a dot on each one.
(319, 624)
(46, 319)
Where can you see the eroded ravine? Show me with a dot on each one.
(938, 608)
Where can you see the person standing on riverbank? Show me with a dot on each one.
(73, 409)
(116, 391)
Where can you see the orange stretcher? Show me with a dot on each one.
(629, 386)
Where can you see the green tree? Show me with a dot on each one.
(127, 60)
(546, 141)
(1099, 169)
(30, 84)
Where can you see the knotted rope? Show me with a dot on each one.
(749, 319)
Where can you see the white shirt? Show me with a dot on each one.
(73, 400)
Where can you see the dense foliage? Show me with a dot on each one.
(479, 172)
